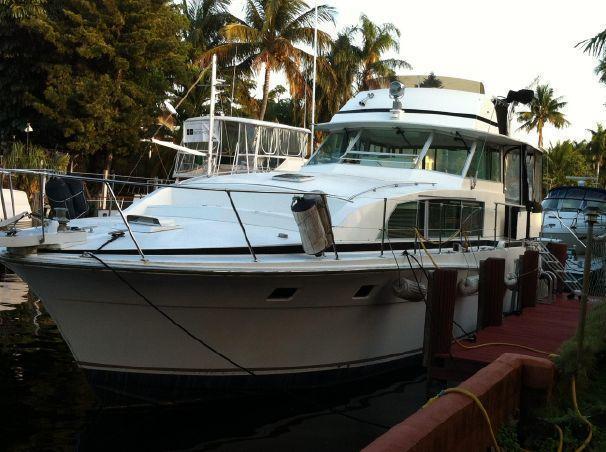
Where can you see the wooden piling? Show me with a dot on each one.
(560, 252)
(529, 278)
(491, 292)
(441, 294)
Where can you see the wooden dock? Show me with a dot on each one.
(543, 327)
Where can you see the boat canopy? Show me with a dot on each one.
(239, 145)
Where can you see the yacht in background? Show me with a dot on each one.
(564, 214)
(303, 277)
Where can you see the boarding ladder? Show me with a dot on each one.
(551, 263)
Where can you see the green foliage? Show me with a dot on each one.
(431, 81)
(545, 109)
(32, 157)
(594, 346)
(108, 67)
(267, 38)
(564, 159)
(596, 148)
(376, 41)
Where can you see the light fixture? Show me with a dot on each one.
(396, 92)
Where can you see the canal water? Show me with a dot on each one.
(47, 405)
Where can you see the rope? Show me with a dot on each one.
(479, 404)
(425, 249)
(225, 357)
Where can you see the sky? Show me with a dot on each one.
(504, 44)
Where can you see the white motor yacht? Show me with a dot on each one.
(564, 214)
(223, 280)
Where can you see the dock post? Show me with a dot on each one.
(560, 252)
(529, 279)
(439, 315)
(491, 292)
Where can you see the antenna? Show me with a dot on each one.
(313, 85)
(211, 122)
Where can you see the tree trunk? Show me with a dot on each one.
(540, 131)
(265, 93)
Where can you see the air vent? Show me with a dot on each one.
(293, 177)
(363, 291)
(282, 294)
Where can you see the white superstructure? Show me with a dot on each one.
(221, 257)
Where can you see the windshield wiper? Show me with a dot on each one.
(403, 135)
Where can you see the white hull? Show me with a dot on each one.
(323, 327)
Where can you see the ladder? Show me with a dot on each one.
(551, 263)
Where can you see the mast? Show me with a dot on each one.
(211, 123)
(313, 86)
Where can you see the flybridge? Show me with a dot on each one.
(435, 107)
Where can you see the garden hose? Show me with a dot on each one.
(479, 404)
(583, 418)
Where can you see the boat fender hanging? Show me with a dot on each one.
(409, 290)
(511, 281)
(313, 222)
(469, 285)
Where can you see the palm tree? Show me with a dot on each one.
(268, 36)
(596, 46)
(561, 160)
(376, 40)
(544, 109)
(596, 148)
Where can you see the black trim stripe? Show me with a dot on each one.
(278, 249)
(424, 112)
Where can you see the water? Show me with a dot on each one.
(47, 405)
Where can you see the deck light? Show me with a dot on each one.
(396, 91)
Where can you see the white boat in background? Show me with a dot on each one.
(564, 214)
(243, 279)
(13, 203)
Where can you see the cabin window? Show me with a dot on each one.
(403, 221)
(386, 147)
(486, 163)
(437, 218)
(447, 154)
(333, 147)
(534, 176)
(512, 167)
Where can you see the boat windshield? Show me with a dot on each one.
(395, 147)
(574, 199)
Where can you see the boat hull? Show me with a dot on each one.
(161, 331)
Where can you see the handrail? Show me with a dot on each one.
(130, 231)
(175, 185)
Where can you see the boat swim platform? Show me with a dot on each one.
(544, 327)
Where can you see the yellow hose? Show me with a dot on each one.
(477, 401)
(583, 418)
(506, 344)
